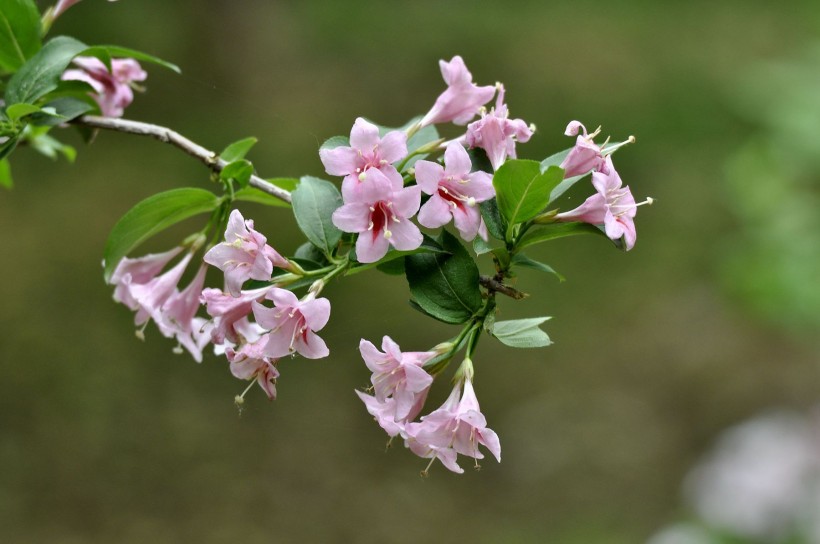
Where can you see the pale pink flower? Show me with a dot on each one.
(149, 297)
(458, 426)
(380, 212)
(455, 193)
(461, 100)
(384, 413)
(585, 156)
(138, 271)
(496, 134)
(112, 89)
(177, 317)
(367, 150)
(292, 323)
(244, 254)
(251, 362)
(230, 313)
(613, 206)
(397, 374)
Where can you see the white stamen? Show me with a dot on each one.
(387, 234)
(177, 350)
(383, 162)
(362, 176)
(471, 202)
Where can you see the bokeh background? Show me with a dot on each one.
(710, 319)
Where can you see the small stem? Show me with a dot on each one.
(495, 286)
(163, 134)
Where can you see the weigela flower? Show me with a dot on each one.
(397, 374)
(457, 427)
(250, 362)
(138, 271)
(244, 254)
(384, 413)
(367, 151)
(112, 89)
(291, 324)
(149, 297)
(613, 206)
(380, 212)
(460, 102)
(585, 156)
(177, 317)
(496, 134)
(230, 313)
(455, 193)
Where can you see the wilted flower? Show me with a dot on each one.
(112, 89)
(585, 156)
(461, 100)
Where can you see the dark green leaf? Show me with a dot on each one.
(19, 33)
(8, 146)
(240, 170)
(521, 333)
(394, 267)
(41, 74)
(335, 141)
(557, 230)
(522, 191)
(496, 225)
(238, 149)
(522, 260)
(314, 202)
(65, 109)
(309, 252)
(104, 52)
(154, 214)
(445, 286)
(252, 194)
(5, 174)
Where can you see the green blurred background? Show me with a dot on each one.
(705, 322)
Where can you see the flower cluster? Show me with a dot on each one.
(112, 89)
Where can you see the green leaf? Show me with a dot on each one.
(49, 146)
(480, 246)
(16, 111)
(8, 146)
(41, 74)
(19, 33)
(522, 191)
(5, 174)
(313, 202)
(445, 286)
(496, 225)
(154, 214)
(310, 253)
(557, 230)
(522, 333)
(522, 260)
(335, 141)
(65, 109)
(108, 52)
(240, 170)
(394, 267)
(564, 185)
(252, 194)
(238, 149)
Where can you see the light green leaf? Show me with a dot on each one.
(522, 191)
(5, 174)
(521, 333)
(314, 202)
(49, 146)
(445, 286)
(106, 52)
(522, 260)
(16, 111)
(239, 170)
(558, 230)
(41, 74)
(65, 109)
(238, 149)
(335, 141)
(19, 33)
(154, 214)
(252, 194)
(564, 185)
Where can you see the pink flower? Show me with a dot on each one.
(292, 322)
(380, 212)
(367, 150)
(112, 89)
(138, 271)
(397, 374)
(177, 317)
(585, 156)
(244, 254)
(455, 192)
(151, 296)
(458, 427)
(461, 100)
(230, 313)
(612, 206)
(496, 134)
(251, 362)
(384, 413)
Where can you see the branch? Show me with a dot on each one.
(494, 285)
(209, 158)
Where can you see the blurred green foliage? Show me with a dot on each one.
(103, 438)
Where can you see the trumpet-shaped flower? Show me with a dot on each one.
(177, 317)
(455, 192)
(250, 362)
(397, 374)
(367, 151)
(496, 134)
(380, 212)
(151, 296)
(112, 88)
(460, 102)
(244, 254)
(613, 206)
(585, 156)
(457, 426)
(138, 271)
(292, 323)
(230, 313)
